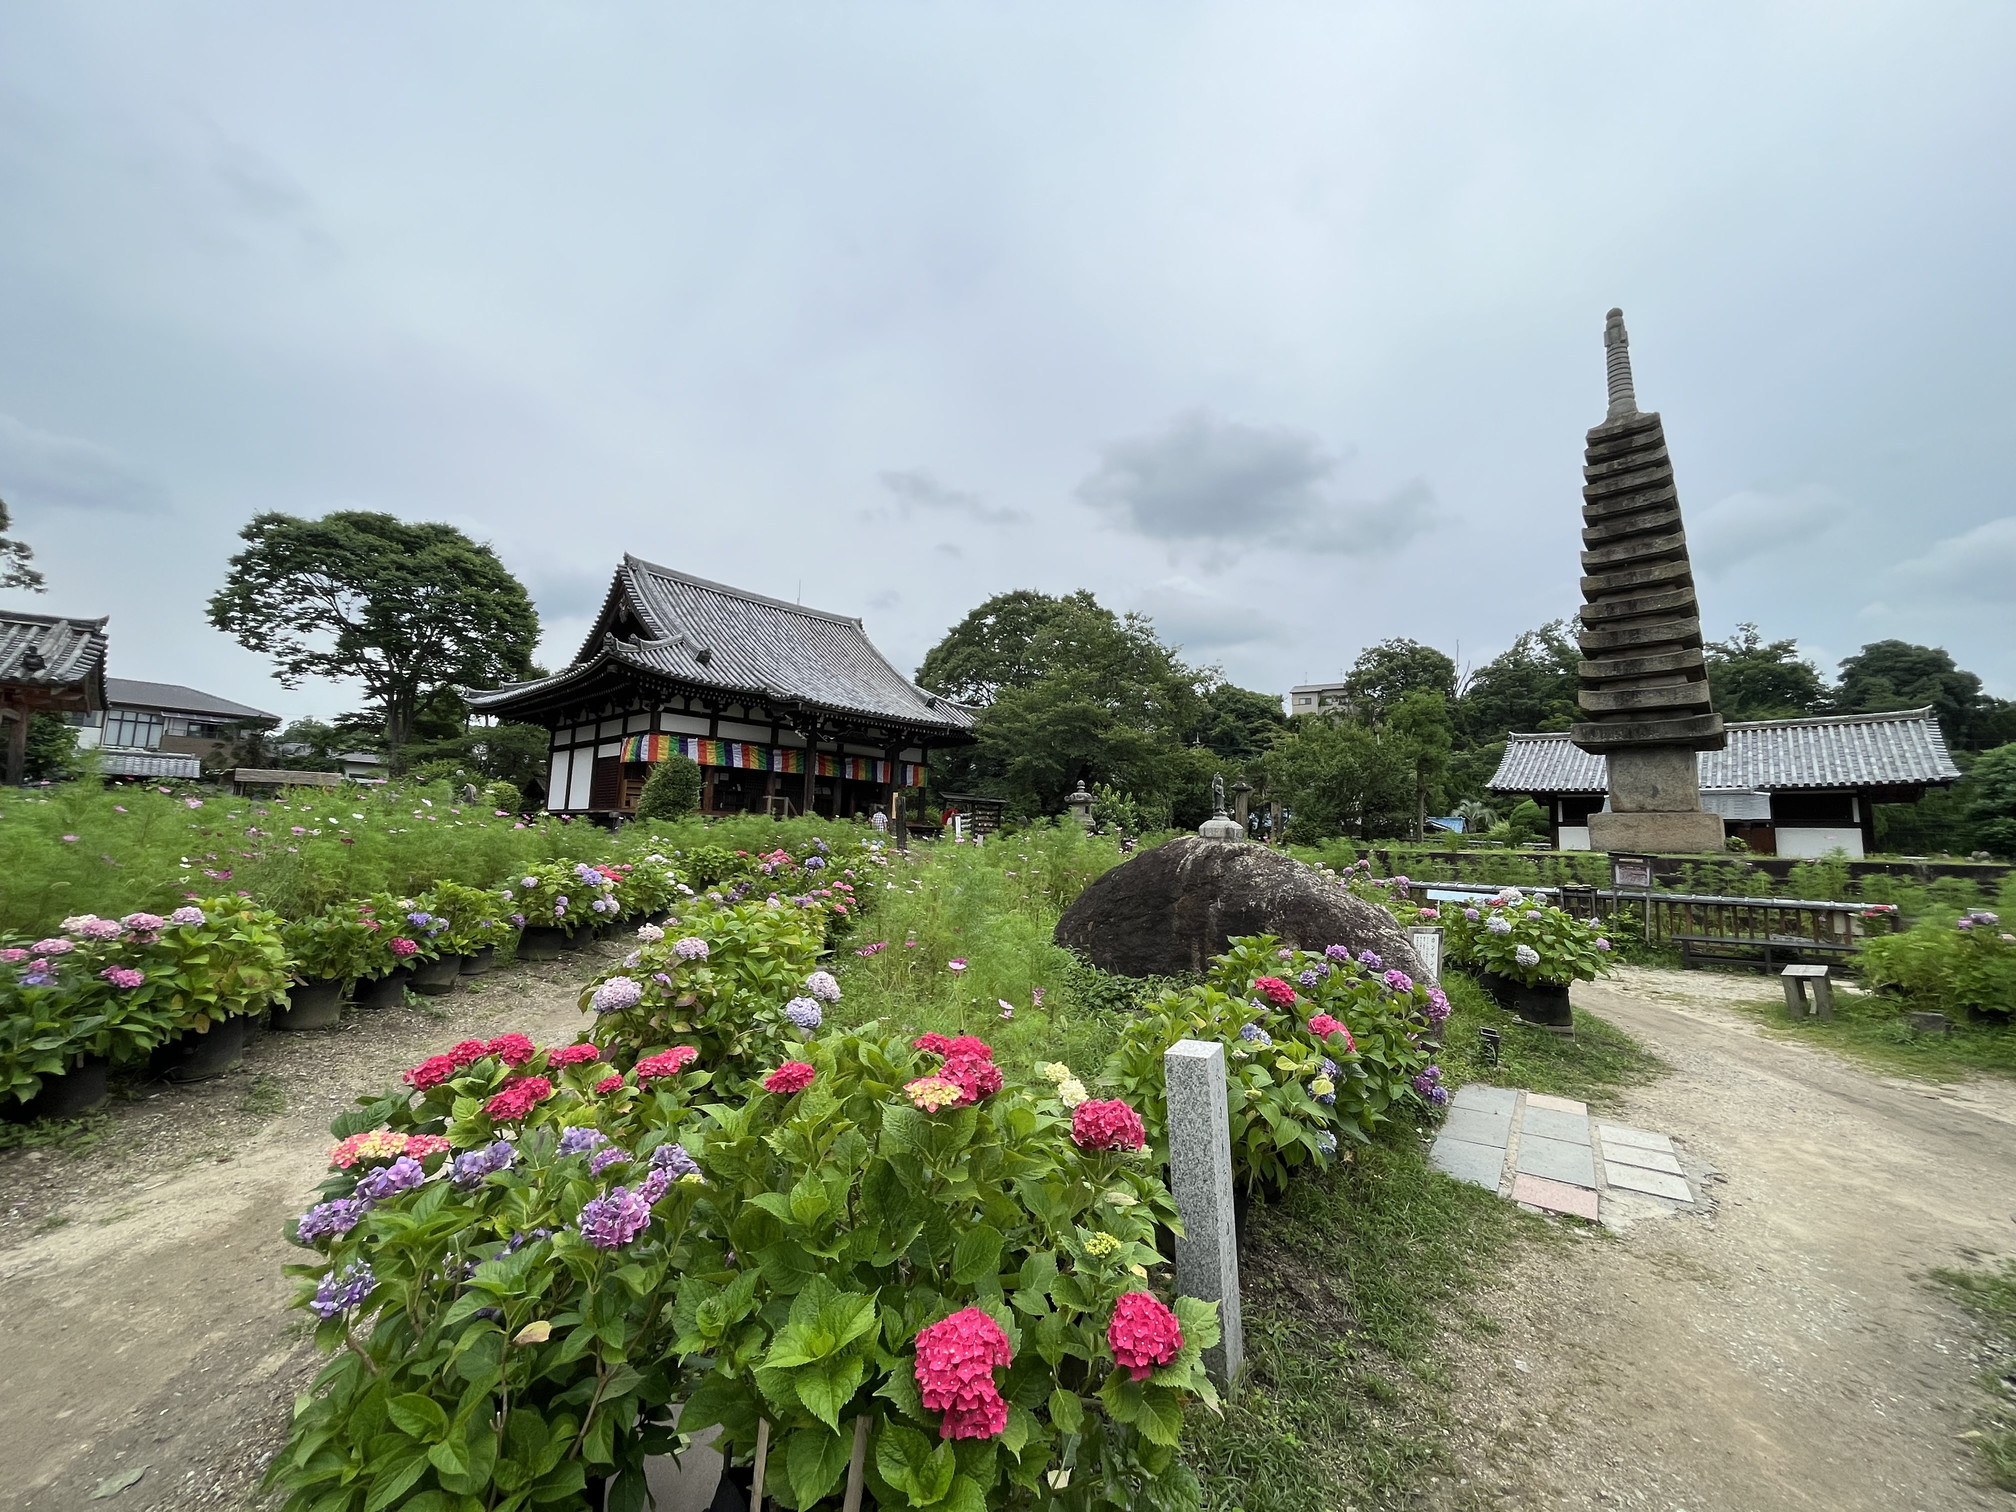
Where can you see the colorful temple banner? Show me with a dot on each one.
(749, 756)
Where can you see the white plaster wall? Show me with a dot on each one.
(1811, 844)
(1574, 837)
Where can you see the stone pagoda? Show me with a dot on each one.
(1645, 701)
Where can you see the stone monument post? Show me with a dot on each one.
(1200, 1178)
(1242, 793)
(1221, 825)
(1644, 696)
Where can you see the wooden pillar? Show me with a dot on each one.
(811, 766)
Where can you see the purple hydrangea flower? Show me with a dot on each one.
(613, 1221)
(1602, 944)
(805, 1013)
(471, 1166)
(1427, 1079)
(603, 1159)
(1438, 1005)
(1253, 1034)
(1370, 961)
(517, 921)
(823, 986)
(338, 1294)
(188, 916)
(402, 1175)
(329, 1220)
(617, 994)
(654, 1186)
(1337, 952)
(1330, 1068)
(1308, 979)
(519, 1241)
(1470, 914)
(692, 948)
(673, 1159)
(580, 1140)
(1399, 981)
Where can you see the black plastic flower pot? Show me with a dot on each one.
(1545, 1005)
(195, 1056)
(609, 930)
(477, 962)
(580, 937)
(437, 978)
(311, 1005)
(78, 1091)
(387, 991)
(541, 942)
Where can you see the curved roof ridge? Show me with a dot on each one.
(633, 563)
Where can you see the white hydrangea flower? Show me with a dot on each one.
(1526, 955)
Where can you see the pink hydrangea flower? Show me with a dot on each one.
(1107, 1124)
(1143, 1334)
(1276, 991)
(666, 1063)
(123, 976)
(789, 1078)
(956, 1361)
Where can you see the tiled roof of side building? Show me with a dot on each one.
(174, 698)
(1900, 749)
(691, 631)
(72, 650)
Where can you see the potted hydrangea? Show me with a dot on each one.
(556, 903)
(1526, 952)
(327, 952)
(474, 922)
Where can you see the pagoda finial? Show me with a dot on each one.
(1617, 359)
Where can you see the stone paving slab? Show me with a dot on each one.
(1480, 1164)
(1644, 1160)
(1556, 1104)
(1485, 1099)
(1557, 1160)
(1554, 1196)
(1479, 1126)
(1657, 1183)
(1549, 1124)
(1641, 1139)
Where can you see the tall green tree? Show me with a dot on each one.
(1752, 678)
(408, 610)
(1420, 723)
(1238, 725)
(1386, 673)
(14, 558)
(1529, 686)
(1341, 777)
(1992, 809)
(1895, 674)
(1008, 642)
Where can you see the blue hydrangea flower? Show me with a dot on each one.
(1253, 1034)
(804, 1013)
(338, 1294)
(579, 1141)
(330, 1220)
(471, 1166)
(674, 1161)
(402, 1175)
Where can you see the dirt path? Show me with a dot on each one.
(1782, 1352)
(144, 1321)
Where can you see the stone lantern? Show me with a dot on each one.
(1079, 802)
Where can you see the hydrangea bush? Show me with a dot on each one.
(1318, 1045)
(470, 918)
(1948, 965)
(1526, 939)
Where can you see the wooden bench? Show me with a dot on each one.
(1722, 950)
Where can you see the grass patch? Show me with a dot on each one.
(1990, 1294)
(265, 1097)
(56, 1133)
(1347, 1282)
(1595, 1066)
(1875, 1031)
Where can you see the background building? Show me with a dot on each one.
(1787, 787)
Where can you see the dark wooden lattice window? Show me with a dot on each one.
(605, 783)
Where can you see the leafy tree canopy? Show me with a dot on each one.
(1752, 678)
(14, 558)
(1386, 673)
(1894, 674)
(1992, 809)
(409, 610)
(1008, 642)
(1529, 686)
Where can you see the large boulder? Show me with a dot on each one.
(1171, 909)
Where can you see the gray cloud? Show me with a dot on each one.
(1753, 524)
(1207, 479)
(1197, 620)
(39, 468)
(915, 489)
(1977, 566)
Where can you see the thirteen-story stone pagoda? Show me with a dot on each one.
(1644, 698)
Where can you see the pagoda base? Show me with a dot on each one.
(1656, 834)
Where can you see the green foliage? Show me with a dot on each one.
(1894, 674)
(472, 917)
(14, 558)
(672, 791)
(1992, 808)
(1989, 1292)
(1526, 821)
(1339, 777)
(1394, 670)
(1530, 686)
(1948, 965)
(52, 754)
(225, 959)
(1752, 678)
(1291, 1093)
(1525, 939)
(408, 610)
(334, 945)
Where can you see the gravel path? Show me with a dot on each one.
(144, 1317)
(1781, 1352)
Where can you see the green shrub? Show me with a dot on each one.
(1968, 963)
(334, 945)
(672, 791)
(1291, 1092)
(1524, 939)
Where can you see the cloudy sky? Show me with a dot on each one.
(1280, 323)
